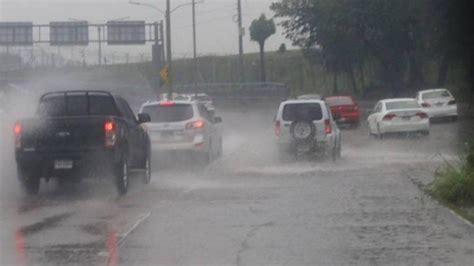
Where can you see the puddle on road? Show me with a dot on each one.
(46, 223)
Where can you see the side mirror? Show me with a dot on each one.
(143, 118)
(217, 120)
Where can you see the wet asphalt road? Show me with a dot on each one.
(247, 208)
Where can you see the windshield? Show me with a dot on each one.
(400, 105)
(302, 112)
(202, 98)
(336, 101)
(436, 94)
(173, 113)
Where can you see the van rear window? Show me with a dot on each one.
(169, 113)
(302, 111)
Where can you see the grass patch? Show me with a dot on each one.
(453, 184)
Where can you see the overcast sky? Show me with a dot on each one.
(216, 29)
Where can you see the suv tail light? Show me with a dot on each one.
(389, 117)
(452, 102)
(426, 105)
(110, 129)
(277, 128)
(17, 130)
(198, 124)
(327, 128)
(422, 115)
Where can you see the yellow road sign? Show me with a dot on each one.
(165, 74)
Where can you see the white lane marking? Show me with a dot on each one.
(129, 231)
(466, 221)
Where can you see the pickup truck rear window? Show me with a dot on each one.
(76, 105)
(302, 111)
(171, 113)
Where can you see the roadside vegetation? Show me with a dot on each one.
(454, 184)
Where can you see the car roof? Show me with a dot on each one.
(303, 101)
(152, 103)
(431, 90)
(340, 96)
(397, 100)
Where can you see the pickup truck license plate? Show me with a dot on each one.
(62, 164)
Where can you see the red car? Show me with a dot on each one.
(345, 109)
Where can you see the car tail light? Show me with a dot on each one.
(327, 128)
(422, 115)
(277, 128)
(110, 129)
(425, 105)
(452, 102)
(167, 103)
(389, 117)
(17, 130)
(198, 124)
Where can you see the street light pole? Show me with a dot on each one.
(241, 45)
(168, 49)
(194, 49)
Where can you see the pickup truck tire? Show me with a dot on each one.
(147, 171)
(122, 175)
(29, 183)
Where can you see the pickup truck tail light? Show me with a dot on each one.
(198, 124)
(277, 128)
(17, 130)
(389, 117)
(422, 115)
(327, 128)
(110, 129)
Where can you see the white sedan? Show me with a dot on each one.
(438, 103)
(397, 116)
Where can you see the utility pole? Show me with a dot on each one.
(194, 49)
(100, 45)
(241, 45)
(168, 49)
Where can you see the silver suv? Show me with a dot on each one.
(183, 126)
(305, 127)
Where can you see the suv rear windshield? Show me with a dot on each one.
(436, 94)
(402, 105)
(171, 113)
(302, 111)
(336, 101)
(76, 104)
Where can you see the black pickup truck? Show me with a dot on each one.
(81, 133)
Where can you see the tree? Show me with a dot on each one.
(351, 32)
(260, 30)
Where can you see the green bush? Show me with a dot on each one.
(456, 184)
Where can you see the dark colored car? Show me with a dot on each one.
(80, 133)
(345, 109)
